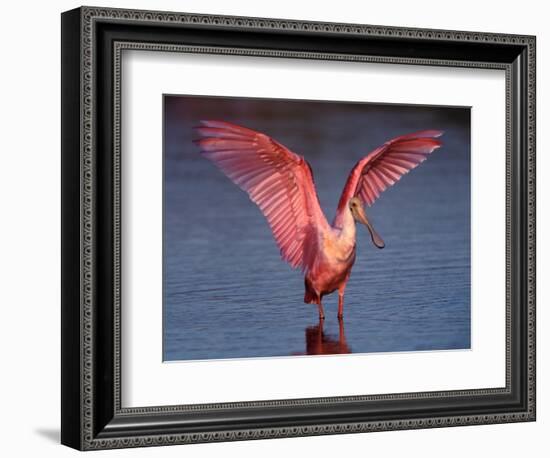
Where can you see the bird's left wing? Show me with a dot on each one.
(384, 166)
(279, 181)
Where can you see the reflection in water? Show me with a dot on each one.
(319, 343)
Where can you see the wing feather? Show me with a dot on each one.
(279, 181)
(384, 166)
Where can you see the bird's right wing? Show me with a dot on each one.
(279, 181)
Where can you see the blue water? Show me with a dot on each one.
(227, 294)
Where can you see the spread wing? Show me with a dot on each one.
(279, 181)
(384, 166)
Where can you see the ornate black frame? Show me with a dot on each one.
(92, 42)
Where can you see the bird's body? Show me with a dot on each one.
(281, 183)
(331, 265)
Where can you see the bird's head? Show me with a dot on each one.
(358, 212)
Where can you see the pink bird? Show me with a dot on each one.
(281, 183)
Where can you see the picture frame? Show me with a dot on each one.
(93, 416)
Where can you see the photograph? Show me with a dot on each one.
(284, 222)
(311, 227)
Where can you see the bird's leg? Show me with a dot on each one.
(321, 311)
(341, 290)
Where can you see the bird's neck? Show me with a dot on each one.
(345, 224)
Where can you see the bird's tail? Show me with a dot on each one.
(310, 296)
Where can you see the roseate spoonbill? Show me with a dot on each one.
(281, 183)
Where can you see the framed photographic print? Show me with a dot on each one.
(276, 228)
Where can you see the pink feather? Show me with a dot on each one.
(276, 179)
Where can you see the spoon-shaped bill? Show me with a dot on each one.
(361, 216)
